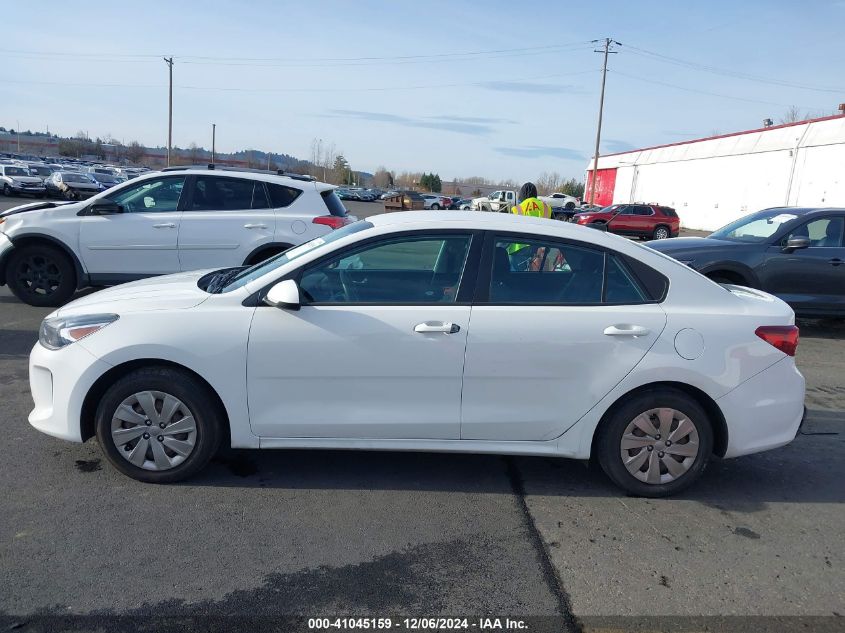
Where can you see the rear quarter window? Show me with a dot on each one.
(669, 212)
(281, 196)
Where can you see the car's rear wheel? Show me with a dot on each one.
(569, 206)
(7, 190)
(435, 207)
(661, 233)
(159, 425)
(41, 275)
(657, 444)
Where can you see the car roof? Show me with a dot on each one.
(229, 173)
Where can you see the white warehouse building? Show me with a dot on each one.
(713, 181)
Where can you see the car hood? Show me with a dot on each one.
(170, 292)
(35, 179)
(35, 206)
(691, 245)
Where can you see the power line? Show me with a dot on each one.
(694, 90)
(322, 89)
(729, 73)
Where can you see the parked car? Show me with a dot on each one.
(562, 200)
(673, 369)
(797, 254)
(71, 185)
(43, 171)
(17, 180)
(435, 201)
(460, 204)
(221, 217)
(649, 221)
(366, 196)
(105, 181)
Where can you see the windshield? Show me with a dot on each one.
(16, 171)
(262, 268)
(755, 228)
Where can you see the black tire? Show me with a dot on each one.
(608, 444)
(7, 190)
(435, 207)
(569, 206)
(661, 233)
(192, 392)
(41, 275)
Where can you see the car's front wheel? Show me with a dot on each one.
(41, 275)
(656, 444)
(435, 207)
(7, 190)
(159, 425)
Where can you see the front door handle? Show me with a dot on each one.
(164, 225)
(437, 326)
(255, 226)
(625, 329)
(836, 261)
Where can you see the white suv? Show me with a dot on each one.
(178, 219)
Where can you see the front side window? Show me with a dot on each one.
(158, 195)
(539, 272)
(408, 270)
(824, 232)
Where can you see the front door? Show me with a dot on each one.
(140, 241)
(809, 279)
(224, 221)
(376, 350)
(560, 326)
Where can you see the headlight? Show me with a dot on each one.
(59, 332)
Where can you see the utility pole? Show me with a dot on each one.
(213, 140)
(169, 62)
(18, 130)
(607, 44)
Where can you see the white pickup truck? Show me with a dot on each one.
(563, 206)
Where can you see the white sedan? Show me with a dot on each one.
(412, 331)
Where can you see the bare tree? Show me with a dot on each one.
(793, 115)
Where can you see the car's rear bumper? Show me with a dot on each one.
(766, 411)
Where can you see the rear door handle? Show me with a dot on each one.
(255, 226)
(836, 261)
(437, 326)
(625, 329)
(164, 225)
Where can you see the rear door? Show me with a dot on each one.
(224, 221)
(555, 326)
(142, 240)
(625, 220)
(809, 279)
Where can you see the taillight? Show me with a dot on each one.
(784, 337)
(333, 221)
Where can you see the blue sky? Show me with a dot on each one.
(412, 86)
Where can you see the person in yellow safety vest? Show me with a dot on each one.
(528, 204)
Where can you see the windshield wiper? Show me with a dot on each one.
(222, 279)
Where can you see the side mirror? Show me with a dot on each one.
(284, 294)
(796, 243)
(105, 208)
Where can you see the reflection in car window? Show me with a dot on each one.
(157, 195)
(755, 228)
(415, 270)
(268, 265)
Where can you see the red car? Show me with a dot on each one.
(650, 221)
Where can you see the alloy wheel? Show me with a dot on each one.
(154, 430)
(39, 275)
(659, 446)
(661, 234)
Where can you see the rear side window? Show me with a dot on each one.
(333, 203)
(281, 196)
(213, 193)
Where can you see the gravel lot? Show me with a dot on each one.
(373, 534)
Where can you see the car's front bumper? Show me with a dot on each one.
(59, 381)
(38, 189)
(765, 411)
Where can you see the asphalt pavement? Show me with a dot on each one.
(325, 533)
